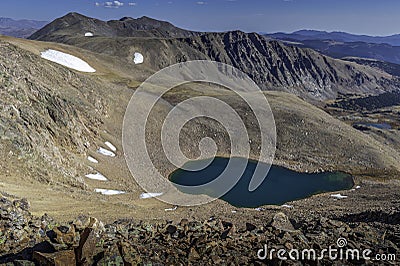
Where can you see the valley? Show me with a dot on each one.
(61, 135)
(308, 140)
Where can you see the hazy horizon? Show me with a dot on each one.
(367, 17)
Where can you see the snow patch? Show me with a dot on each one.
(109, 145)
(339, 196)
(287, 206)
(106, 152)
(150, 195)
(171, 209)
(89, 34)
(92, 160)
(139, 59)
(67, 60)
(358, 187)
(109, 192)
(97, 176)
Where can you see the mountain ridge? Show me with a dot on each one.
(272, 65)
(124, 27)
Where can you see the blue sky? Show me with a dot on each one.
(373, 17)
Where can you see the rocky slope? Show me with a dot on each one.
(49, 116)
(29, 240)
(303, 72)
(74, 25)
(271, 64)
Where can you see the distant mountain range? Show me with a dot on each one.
(303, 35)
(341, 44)
(19, 28)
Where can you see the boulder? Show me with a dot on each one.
(61, 258)
(89, 245)
(282, 222)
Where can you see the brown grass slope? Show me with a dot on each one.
(308, 139)
(52, 118)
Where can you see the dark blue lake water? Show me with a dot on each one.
(281, 185)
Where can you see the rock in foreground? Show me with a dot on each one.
(27, 240)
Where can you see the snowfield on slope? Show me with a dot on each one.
(110, 145)
(97, 176)
(109, 192)
(338, 196)
(67, 60)
(139, 59)
(92, 160)
(105, 152)
(150, 195)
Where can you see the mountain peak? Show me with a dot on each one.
(74, 15)
(145, 18)
(75, 25)
(126, 19)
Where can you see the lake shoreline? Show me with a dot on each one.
(279, 178)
